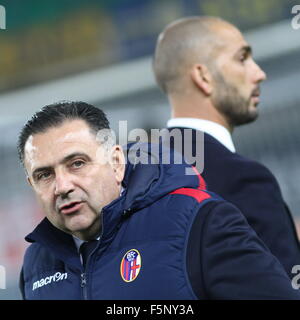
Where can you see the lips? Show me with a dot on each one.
(70, 207)
(255, 99)
(256, 92)
(255, 95)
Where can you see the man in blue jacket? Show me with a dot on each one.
(141, 231)
(205, 67)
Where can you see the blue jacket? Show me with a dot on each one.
(254, 190)
(164, 238)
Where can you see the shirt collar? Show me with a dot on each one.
(79, 242)
(214, 129)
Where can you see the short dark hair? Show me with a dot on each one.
(55, 114)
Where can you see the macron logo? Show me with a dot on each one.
(58, 276)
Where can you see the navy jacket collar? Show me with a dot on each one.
(59, 242)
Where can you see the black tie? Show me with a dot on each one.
(85, 250)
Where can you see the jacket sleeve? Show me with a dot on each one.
(255, 191)
(235, 262)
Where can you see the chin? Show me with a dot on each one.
(253, 112)
(79, 223)
(246, 118)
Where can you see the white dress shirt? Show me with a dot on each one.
(217, 131)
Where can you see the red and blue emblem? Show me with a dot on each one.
(131, 265)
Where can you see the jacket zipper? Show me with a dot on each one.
(83, 285)
(83, 278)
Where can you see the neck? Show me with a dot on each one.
(198, 109)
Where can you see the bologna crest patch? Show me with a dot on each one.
(130, 265)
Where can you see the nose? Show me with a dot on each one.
(63, 184)
(260, 75)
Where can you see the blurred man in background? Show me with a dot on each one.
(205, 67)
(140, 231)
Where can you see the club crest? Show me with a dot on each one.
(131, 265)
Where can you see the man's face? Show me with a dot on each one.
(68, 171)
(236, 79)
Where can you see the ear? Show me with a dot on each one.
(118, 162)
(201, 77)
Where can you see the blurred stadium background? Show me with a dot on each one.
(100, 52)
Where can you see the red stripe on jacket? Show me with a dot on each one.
(199, 195)
(202, 183)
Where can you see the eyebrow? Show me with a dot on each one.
(246, 49)
(64, 160)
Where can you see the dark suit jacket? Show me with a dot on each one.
(254, 190)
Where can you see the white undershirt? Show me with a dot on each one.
(217, 131)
